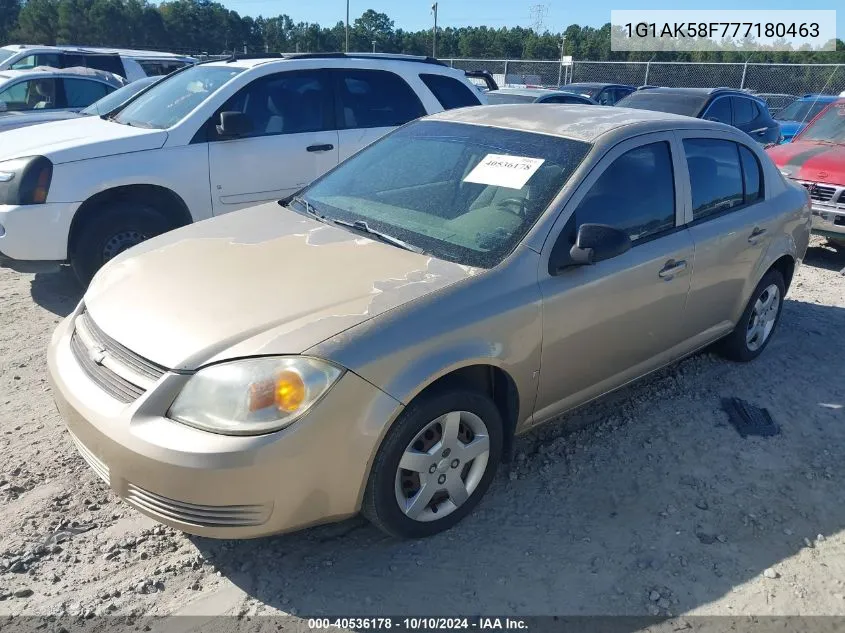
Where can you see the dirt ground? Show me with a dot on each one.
(646, 503)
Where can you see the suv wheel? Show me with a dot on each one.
(435, 464)
(110, 233)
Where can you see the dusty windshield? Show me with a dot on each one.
(175, 97)
(829, 127)
(801, 110)
(463, 193)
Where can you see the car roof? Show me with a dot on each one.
(528, 92)
(260, 60)
(142, 54)
(817, 97)
(579, 122)
(77, 71)
(594, 84)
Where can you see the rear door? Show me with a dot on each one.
(369, 104)
(294, 139)
(754, 120)
(730, 226)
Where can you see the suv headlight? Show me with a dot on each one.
(253, 396)
(25, 180)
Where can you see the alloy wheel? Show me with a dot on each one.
(763, 317)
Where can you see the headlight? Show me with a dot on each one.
(25, 180)
(253, 396)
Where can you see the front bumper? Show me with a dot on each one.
(222, 486)
(37, 232)
(828, 220)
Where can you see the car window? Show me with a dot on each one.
(619, 199)
(463, 193)
(450, 92)
(35, 94)
(607, 97)
(375, 98)
(500, 98)
(752, 175)
(829, 127)
(171, 100)
(715, 176)
(80, 93)
(563, 99)
(285, 103)
(745, 111)
(39, 59)
(719, 110)
(108, 63)
(157, 67)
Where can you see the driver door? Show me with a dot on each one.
(293, 140)
(607, 323)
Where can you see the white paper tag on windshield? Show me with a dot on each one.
(502, 170)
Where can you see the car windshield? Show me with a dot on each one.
(673, 103)
(586, 91)
(118, 97)
(801, 110)
(175, 97)
(829, 127)
(498, 98)
(463, 193)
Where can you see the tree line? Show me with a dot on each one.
(202, 26)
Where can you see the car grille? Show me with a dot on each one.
(116, 370)
(825, 193)
(194, 514)
(92, 460)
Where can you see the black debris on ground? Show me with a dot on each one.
(748, 419)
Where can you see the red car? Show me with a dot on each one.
(816, 159)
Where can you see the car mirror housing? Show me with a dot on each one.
(594, 243)
(234, 124)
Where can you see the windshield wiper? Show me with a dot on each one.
(310, 210)
(363, 227)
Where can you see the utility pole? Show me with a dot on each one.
(434, 32)
(347, 26)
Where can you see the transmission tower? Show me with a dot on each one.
(538, 17)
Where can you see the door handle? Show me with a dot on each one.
(757, 232)
(761, 130)
(320, 148)
(671, 268)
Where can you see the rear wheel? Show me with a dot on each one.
(112, 231)
(758, 322)
(435, 464)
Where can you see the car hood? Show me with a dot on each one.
(12, 120)
(78, 139)
(808, 160)
(263, 280)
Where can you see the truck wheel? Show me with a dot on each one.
(111, 232)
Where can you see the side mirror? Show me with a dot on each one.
(594, 243)
(234, 124)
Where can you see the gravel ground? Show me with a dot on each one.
(646, 503)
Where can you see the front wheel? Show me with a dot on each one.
(111, 232)
(435, 464)
(758, 322)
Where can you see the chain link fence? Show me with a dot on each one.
(794, 79)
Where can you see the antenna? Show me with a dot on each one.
(539, 12)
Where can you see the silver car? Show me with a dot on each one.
(375, 343)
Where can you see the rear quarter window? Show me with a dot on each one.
(450, 92)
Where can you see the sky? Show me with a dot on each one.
(412, 15)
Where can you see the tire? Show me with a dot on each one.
(737, 346)
(408, 436)
(115, 228)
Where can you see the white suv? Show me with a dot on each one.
(207, 140)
